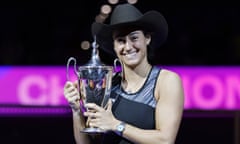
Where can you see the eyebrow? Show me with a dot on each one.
(123, 35)
(134, 32)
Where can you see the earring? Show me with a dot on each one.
(116, 68)
(118, 75)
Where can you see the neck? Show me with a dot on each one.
(130, 73)
(135, 77)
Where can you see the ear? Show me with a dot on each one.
(148, 39)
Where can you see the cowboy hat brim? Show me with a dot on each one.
(151, 21)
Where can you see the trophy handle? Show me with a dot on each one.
(75, 66)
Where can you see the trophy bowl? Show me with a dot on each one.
(95, 87)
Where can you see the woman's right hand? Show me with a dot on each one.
(72, 95)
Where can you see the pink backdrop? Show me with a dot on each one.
(207, 88)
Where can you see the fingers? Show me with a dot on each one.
(93, 107)
(70, 89)
(73, 99)
(71, 94)
(91, 115)
(67, 87)
(109, 105)
(87, 122)
(98, 116)
(75, 83)
(93, 122)
(93, 110)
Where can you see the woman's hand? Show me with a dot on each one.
(72, 95)
(100, 117)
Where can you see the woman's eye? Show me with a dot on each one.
(120, 40)
(134, 38)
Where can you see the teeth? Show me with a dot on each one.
(130, 54)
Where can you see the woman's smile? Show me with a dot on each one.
(130, 54)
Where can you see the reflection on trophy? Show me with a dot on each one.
(94, 82)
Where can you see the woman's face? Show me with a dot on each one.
(131, 47)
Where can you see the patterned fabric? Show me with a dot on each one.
(137, 109)
(146, 94)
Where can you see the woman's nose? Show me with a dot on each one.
(128, 45)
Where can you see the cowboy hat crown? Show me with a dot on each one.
(122, 14)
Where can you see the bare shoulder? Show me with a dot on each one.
(169, 76)
(169, 82)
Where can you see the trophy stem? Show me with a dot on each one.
(95, 59)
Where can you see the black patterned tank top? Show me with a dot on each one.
(137, 109)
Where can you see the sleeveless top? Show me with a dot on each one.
(137, 109)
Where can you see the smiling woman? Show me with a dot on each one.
(144, 94)
(39, 33)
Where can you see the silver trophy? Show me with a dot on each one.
(94, 82)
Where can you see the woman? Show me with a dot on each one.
(147, 101)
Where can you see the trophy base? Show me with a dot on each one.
(92, 130)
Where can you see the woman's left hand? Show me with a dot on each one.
(100, 117)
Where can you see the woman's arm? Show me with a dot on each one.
(169, 109)
(78, 125)
(72, 96)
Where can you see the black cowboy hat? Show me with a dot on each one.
(126, 15)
